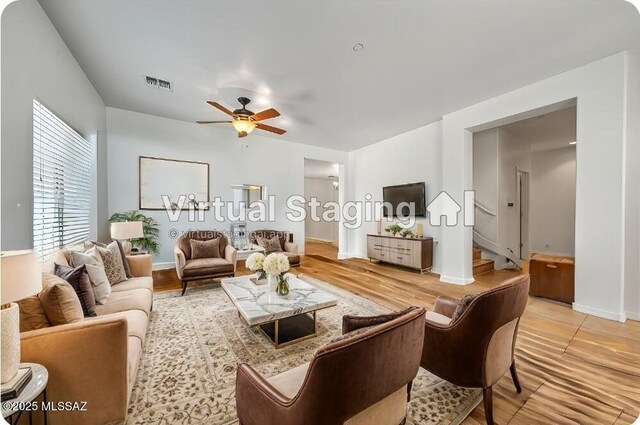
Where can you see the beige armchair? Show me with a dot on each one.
(477, 348)
(289, 248)
(189, 270)
(360, 379)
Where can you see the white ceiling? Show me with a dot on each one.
(422, 58)
(546, 132)
(317, 169)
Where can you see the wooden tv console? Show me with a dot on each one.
(415, 253)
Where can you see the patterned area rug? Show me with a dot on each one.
(194, 344)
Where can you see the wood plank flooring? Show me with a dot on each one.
(574, 368)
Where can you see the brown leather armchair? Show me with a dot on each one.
(360, 379)
(477, 348)
(289, 248)
(189, 270)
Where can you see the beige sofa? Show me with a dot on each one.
(95, 360)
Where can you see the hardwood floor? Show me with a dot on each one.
(574, 368)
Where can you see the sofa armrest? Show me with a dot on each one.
(140, 265)
(87, 362)
(181, 260)
(257, 401)
(445, 306)
(291, 247)
(230, 254)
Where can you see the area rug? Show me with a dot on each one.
(195, 343)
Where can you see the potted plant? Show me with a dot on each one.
(394, 229)
(277, 265)
(406, 233)
(149, 228)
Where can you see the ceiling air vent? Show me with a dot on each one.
(157, 83)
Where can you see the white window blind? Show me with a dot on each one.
(63, 163)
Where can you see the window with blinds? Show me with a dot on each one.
(63, 164)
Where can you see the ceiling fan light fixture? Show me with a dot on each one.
(243, 125)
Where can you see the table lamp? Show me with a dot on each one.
(125, 230)
(21, 277)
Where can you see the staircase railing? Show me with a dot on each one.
(486, 243)
(483, 208)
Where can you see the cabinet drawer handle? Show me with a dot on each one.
(399, 258)
(552, 266)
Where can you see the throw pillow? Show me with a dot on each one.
(125, 263)
(79, 281)
(32, 315)
(112, 261)
(463, 305)
(60, 302)
(205, 249)
(90, 256)
(99, 283)
(269, 245)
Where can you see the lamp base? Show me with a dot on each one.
(126, 247)
(10, 317)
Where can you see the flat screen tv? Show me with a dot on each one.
(412, 193)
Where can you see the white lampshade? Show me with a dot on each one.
(127, 230)
(21, 275)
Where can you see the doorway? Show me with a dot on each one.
(321, 191)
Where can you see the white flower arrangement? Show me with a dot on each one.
(276, 264)
(255, 262)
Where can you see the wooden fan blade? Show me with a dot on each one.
(220, 107)
(271, 129)
(242, 134)
(214, 122)
(265, 115)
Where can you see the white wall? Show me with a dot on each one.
(485, 181)
(408, 158)
(632, 190)
(37, 64)
(553, 201)
(513, 154)
(323, 191)
(601, 128)
(257, 160)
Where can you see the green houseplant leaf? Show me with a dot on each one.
(149, 228)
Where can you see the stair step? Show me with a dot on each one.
(481, 266)
(477, 254)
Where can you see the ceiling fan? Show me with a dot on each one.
(245, 121)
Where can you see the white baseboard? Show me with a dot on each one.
(163, 266)
(633, 316)
(456, 280)
(618, 317)
(321, 240)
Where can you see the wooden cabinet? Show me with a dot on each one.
(413, 253)
(552, 277)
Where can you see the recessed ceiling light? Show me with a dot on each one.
(358, 47)
(573, 143)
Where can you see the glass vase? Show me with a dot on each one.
(282, 288)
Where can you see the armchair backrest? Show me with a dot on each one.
(200, 235)
(283, 236)
(349, 375)
(480, 344)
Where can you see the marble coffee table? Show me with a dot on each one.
(284, 320)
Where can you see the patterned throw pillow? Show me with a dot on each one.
(463, 305)
(269, 245)
(205, 249)
(112, 261)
